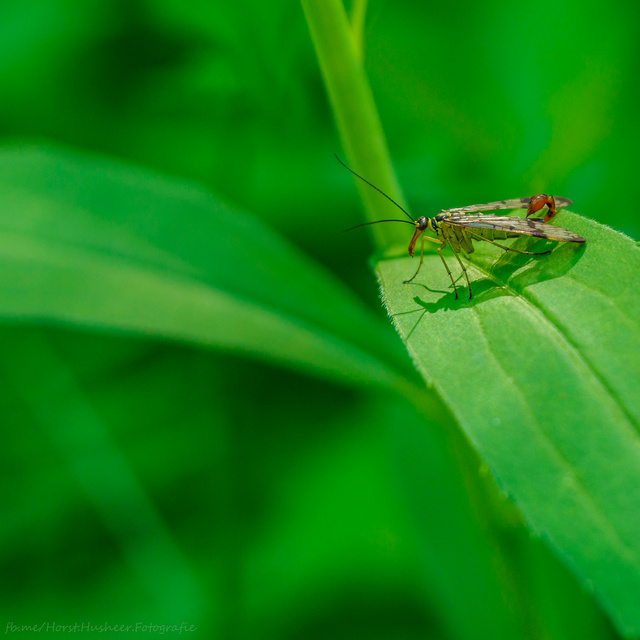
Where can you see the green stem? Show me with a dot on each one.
(356, 17)
(339, 49)
(356, 115)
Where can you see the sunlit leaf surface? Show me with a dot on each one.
(540, 369)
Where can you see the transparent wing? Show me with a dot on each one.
(520, 226)
(514, 203)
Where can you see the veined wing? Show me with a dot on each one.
(513, 203)
(521, 226)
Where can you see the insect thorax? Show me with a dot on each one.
(434, 223)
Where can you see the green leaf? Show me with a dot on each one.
(100, 245)
(541, 370)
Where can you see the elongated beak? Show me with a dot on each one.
(414, 238)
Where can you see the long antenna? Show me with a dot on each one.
(378, 190)
(364, 224)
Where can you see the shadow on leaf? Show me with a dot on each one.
(511, 274)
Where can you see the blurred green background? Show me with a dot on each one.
(274, 504)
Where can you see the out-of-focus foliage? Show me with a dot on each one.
(155, 482)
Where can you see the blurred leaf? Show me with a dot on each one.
(94, 412)
(541, 370)
(49, 400)
(96, 244)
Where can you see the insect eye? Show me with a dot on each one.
(422, 222)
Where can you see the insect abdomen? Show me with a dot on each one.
(456, 237)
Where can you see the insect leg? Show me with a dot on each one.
(422, 256)
(464, 269)
(529, 253)
(444, 262)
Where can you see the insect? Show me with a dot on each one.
(459, 227)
